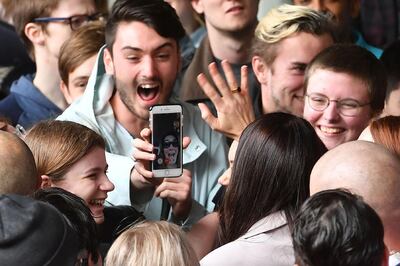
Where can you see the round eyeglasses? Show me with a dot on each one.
(346, 107)
(74, 22)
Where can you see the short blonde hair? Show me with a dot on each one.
(152, 243)
(284, 21)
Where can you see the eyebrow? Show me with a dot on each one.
(95, 170)
(299, 64)
(80, 78)
(164, 45)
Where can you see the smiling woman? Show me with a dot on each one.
(72, 157)
(345, 91)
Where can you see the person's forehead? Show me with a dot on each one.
(140, 35)
(302, 47)
(331, 81)
(67, 8)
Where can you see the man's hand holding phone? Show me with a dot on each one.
(176, 190)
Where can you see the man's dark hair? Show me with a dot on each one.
(335, 227)
(78, 214)
(391, 60)
(156, 14)
(355, 61)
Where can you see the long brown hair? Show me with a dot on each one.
(57, 145)
(271, 172)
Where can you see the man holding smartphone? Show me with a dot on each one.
(136, 71)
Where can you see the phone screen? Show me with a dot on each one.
(167, 140)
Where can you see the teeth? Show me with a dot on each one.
(331, 130)
(97, 202)
(148, 86)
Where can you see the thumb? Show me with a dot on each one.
(207, 116)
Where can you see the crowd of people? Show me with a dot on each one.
(291, 147)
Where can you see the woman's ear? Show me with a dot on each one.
(45, 181)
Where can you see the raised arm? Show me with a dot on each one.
(233, 103)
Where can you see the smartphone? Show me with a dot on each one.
(166, 126)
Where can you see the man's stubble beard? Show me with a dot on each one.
(127, 101)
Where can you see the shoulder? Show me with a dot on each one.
(10, 109)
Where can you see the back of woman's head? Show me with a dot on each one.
(57, 145)
(271, 170)
(152, 243)
(386, 131)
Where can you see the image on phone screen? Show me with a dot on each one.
(166, 141)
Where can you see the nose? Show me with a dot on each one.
(106, 184)
(331, 113)
(148, 68)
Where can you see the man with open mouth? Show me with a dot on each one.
(134, 71)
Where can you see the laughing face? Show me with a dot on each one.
(331, 126)
(171, 150)
(282, 83)
(87, 179)
(144, 65)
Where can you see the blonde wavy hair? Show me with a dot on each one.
(152, 243)
(284, 21)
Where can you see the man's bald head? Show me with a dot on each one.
(368, 170)
(18, 174)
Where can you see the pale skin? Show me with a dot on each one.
(283, 80)
(230, 27)
(369, 170)
(176, 190)
(47, 43)
(235, 110)
(153, 63)
(77, 80)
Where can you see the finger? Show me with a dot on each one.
(141, 170)
(185, 142)
(209, 90)
(146, 134)
(172, 194)
(219, 80)
(140, 144)
(167, 186)
(207, 116)
(139, 155)
(230, 76)
(244, 79)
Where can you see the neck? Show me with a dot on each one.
(47, 80)
(191, 26)
(130, 121)
(234, 47)
(267, 104)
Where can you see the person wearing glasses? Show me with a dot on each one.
(285, 42)
(43, 26)
(345, 88)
